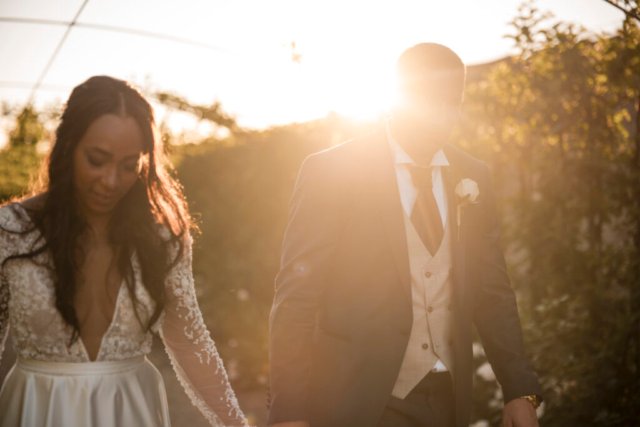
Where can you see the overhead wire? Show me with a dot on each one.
(115, 29)
(53, 56)
(94, 26)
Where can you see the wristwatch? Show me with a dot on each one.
(534, 399)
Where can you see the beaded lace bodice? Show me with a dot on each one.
(37, 330)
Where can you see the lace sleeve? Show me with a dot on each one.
(4, 309)
(5, 244)
(192, 352)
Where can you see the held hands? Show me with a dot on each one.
(519, 413)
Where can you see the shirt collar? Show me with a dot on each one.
(401, 157)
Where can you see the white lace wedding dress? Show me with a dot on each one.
(54, 384)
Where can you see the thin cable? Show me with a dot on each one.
(44, 72)
(114, 29)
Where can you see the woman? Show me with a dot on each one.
(94, 265)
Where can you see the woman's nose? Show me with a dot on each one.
(110, 179)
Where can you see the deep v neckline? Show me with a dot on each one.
(107, 331)
(114, 315)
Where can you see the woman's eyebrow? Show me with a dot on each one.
(100, 151)
(106, 153)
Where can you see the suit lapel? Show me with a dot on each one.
(384, 186)
(451, 176)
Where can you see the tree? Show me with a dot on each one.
(631, 8)
(21, 159)
(29, 129)
(557, 122)
(213, 113)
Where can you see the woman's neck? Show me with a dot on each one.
(98, 229)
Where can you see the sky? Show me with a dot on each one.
(346, 49)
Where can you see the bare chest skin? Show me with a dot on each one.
(98, 285)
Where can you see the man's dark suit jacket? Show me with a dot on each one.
(342, 311)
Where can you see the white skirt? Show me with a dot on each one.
(100, 394)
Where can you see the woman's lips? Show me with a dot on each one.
(103, 199)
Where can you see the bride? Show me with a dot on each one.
(95, 265)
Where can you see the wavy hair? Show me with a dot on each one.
(154, 202)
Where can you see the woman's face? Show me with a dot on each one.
(106, 163)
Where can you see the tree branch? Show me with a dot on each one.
(627, 12)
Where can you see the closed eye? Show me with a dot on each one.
(95, 161)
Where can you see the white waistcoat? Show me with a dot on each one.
(431, 333)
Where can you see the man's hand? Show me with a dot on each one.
(291, 424)
(518, 413)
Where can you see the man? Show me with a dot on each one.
(391, 253)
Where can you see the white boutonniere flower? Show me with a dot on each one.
(467, 191)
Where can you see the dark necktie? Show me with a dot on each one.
(425, 215)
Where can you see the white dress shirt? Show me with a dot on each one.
(409, 193)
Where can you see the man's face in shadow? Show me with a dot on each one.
(428, 107)
(430, 85)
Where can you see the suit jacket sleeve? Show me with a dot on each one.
(310, 239)
(495, 310)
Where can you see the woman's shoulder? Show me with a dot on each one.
(14, 228)
(178, 245)
(12, 217)
(168, 235)
(16, 215)
(33, 203)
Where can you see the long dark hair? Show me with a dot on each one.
(154, 202)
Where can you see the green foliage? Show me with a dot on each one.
(559, 124)
(213, 113)
(19, 166)
(20, 161)
(29, 129)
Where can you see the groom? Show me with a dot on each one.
(391, 254)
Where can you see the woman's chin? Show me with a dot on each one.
(99, 208)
